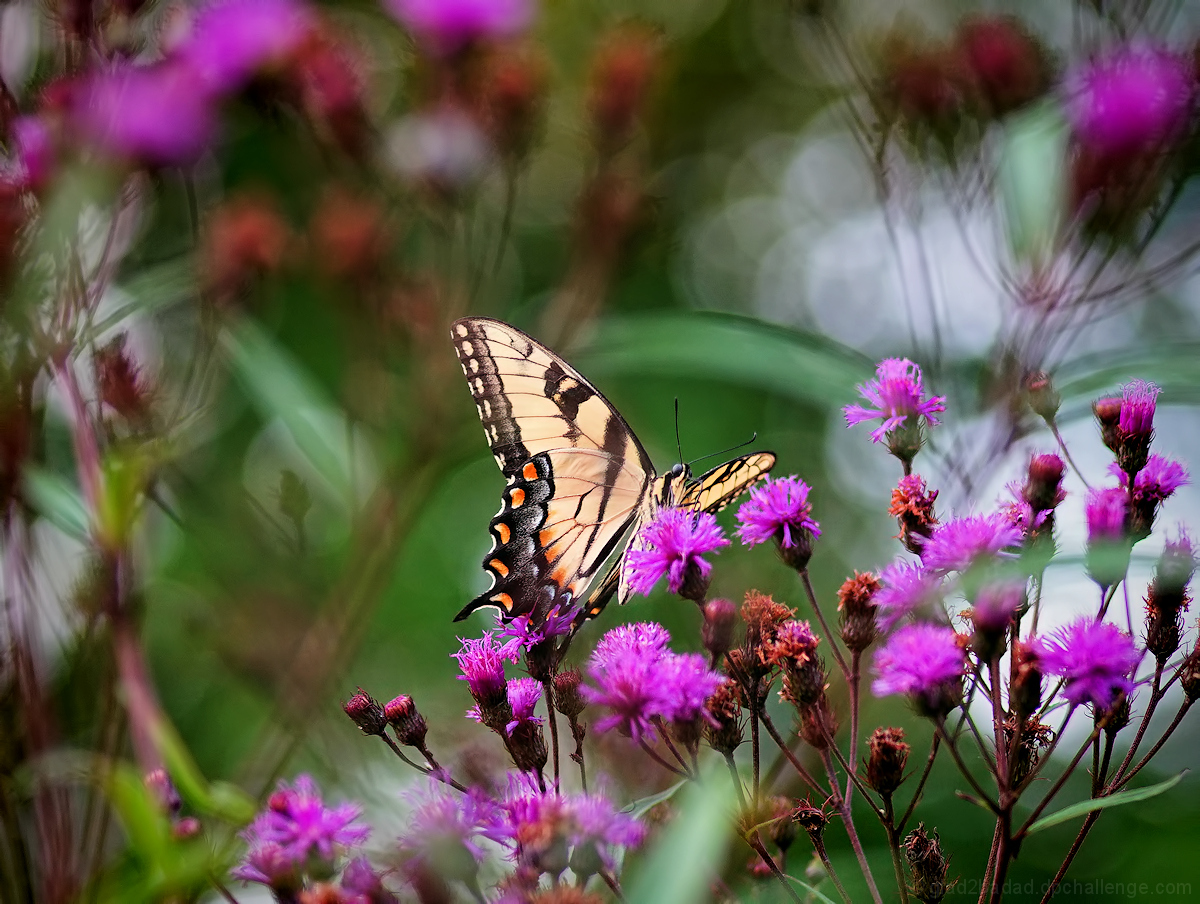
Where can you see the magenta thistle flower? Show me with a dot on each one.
(907, 588)
(232, 40)
(778, 510)
(1106, 513)
(673, 544)
(639, 681)
(159, 115)
(482, 662)
(896, 394)
(446, 26)
(1157, 481)
(523, 696)
(527, 631)
(925, 662)
(956, 545)
(441, 824)
(1095, 659)
(1130, 101)
(995, 605)
(268, 864)
(298, 822)
(34, 151)
(1138, 401)
(361, 880)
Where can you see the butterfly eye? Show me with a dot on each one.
(677, 470)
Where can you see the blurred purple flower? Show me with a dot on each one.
(907, 588)
(482, 662)
(34, 155)
(267, 863)
(638, 680)
(1157, 481)
(446, 26)
(159, 115)
(297, 821)
(1096, 660)
(778, 509)
(231, 40)
(441, 822)
(361, 880)
(995, 605)
(1129, 101)
(956, 545)
(897, 394)
(1106, 514)
(675, 542)
(923, 661)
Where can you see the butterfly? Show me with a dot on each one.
(578, 478)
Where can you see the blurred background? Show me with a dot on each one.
(741, 206)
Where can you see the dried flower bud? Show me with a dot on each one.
(1167, 597)
(762, 616)
(1108, 415)
(349, 238)
(1189, 675)
(408, 724)
(720, 618)
(365, 712)
(856, 611)
(889, 755)
(818, 724)
(513, 89)
(928, 865)
(245, 238)
(1035, 739)
(119, 382)
(621, 75)
(912, 505)
(794, 652)
(723, 729)
(1044, 399)
(1025, 691)
(811, 818)
(1116, 717)
(567, 698)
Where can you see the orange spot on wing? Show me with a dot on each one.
(529, 472)
(499, 567)
(503, 532)
(517, 498)
(504, 600)
(559, 575)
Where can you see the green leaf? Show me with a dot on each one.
(811, 890)
(1099, 803)
(219, 799)
(280, 388)
(1032, 181)
(644, 805)
(141, 816)
(680, 867)
(736, 350)
(58, 500)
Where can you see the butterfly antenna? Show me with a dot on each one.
(752, 438)
(678, 444)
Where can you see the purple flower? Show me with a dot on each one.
(1157, 481)
(1138, 401)
(1106, 512)
(673, 544)
(995, 605)
(526, 632)
(268, 864)
(523, 697)
(482, 662)
(640, 681)
(906, 588)
(956, 545)
(362, 881)
(779, 509)
(34, 151)
(1129, 101)
(896, 393)
(231, 40)
(923, 661)
(1096, 660)
(446, 26)
(297, 822)
(442, 823)
(159, 115)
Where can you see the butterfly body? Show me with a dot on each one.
(578, 478)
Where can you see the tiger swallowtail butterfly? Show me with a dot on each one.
(578, 478)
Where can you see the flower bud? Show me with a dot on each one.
(1043, 398)
(856, 611)
(1025, 690)
(889, 755)
(245, 238)
(1189, 675)
(512, 95)
(794, 652)
(621, 75)
(1007, 65)
(720, 618)
(159, 784)
(567, 698)
(365, 712)
(183, 829)
(1034, 741)
(928, 865)
(818, 724)
(348, 235)
(1043, 488)
(1108, 415)
(408, 724)
(723, 727)
(118, 381)
(812, 819)
(912, 505)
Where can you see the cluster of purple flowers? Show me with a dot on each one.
(640, 682)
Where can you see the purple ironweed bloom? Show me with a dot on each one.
(523, 697)
(639, 680)
(443, 825)
(1156, 482)
(1138, 401)
(956, 545)
(897, 395)
(446, 26)
(907, 588)
(297, 820)
(34, 151)
(159, 115)
(364, 883)
(1096, 660)
(995, 605)
(1130, 101)
(231, 40)
(525, 631)
(267, 863)
(482, 662)
(779, 509)
(925, 662)
(673, 544)
(1106, 513)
